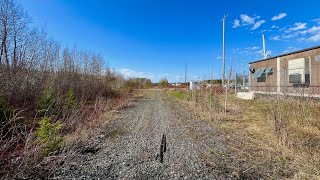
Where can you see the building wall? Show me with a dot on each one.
(285, 86)
(271, 79)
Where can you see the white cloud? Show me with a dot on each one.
(312, 30)
(289, 36)
(252, 48)
(236, 23)
(258, 24)
(128, 73)
(289, 49)
(314, 38)
(279, 16)
(296, 27)
(316, 20)
(276, 38)
(247, 20)
(301, 39)
(275, 27)
(300, 29)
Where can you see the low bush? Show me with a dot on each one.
(48, 103)
(71, 101)
(48, 136)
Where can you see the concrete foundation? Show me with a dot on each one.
(246, 95)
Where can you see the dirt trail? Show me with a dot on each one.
(130, 147)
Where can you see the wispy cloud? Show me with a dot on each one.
(275, 27)
(314, 38)
(301, 32)
(290, 35)
(128, 73)
(289, 49)
(276, 38)
(252, 48)
(279, 16)
(246, 20)
(258, 24)
(297, 26)
(236, 23)
(312, 30)
(316, 20)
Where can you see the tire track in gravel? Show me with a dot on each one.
(133, 153)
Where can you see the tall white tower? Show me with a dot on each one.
(265, 56)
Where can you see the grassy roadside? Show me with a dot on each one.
(280, 137)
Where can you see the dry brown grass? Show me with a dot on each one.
(280, 136)
(98, 118)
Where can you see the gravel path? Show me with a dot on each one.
(130, 147)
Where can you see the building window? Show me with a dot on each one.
(261, 74)
(262, 78)
(299, 71)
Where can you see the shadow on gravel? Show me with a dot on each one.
(95, 145)
(90, 150)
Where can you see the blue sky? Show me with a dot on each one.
(155, 39)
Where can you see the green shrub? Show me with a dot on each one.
(148, 84)
(129, 85)
(48, 136)
(47, 100)
(164, 83)
(178, 95)
(71, 101)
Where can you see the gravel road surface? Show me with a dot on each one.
(130, 146)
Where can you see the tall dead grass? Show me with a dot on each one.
(279, 135)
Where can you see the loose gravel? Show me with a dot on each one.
(130, 147)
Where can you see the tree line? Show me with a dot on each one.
(44, 85)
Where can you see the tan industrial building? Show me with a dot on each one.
(293, 73)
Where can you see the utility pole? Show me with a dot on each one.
(185, 75)
(223, 48)
(243, 75)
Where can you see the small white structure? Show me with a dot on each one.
(194, 85)
(246, 95)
